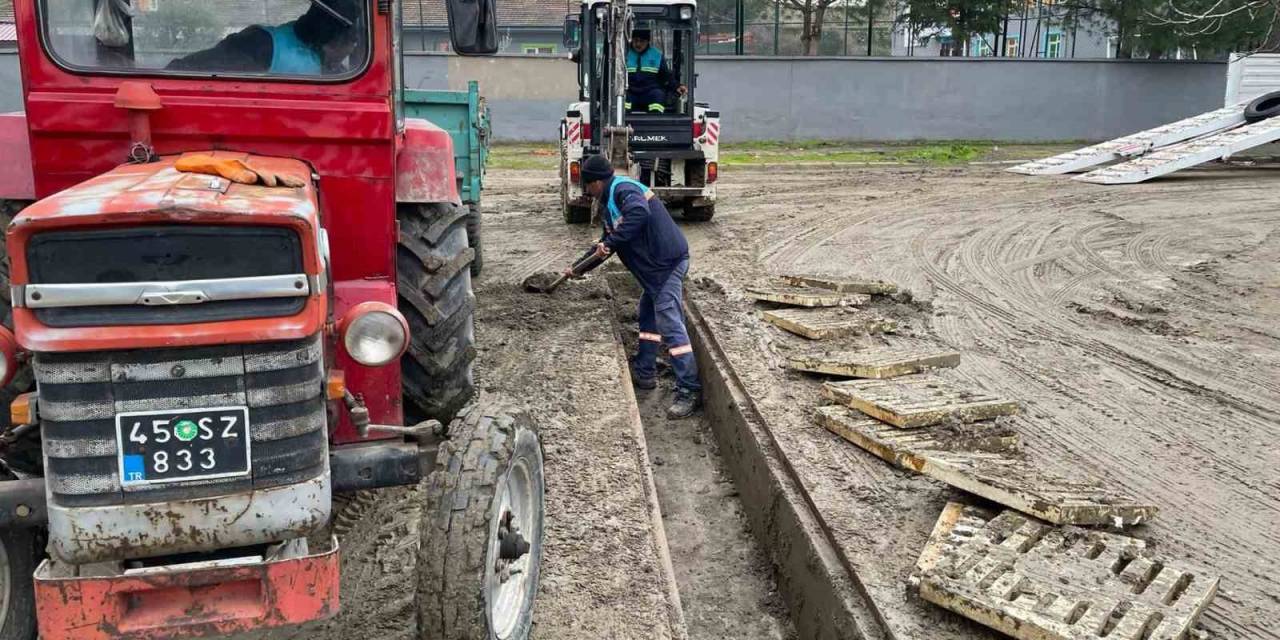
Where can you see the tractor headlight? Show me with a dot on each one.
(686, 13)
(374, 333)
(8, 355)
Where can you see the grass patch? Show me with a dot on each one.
(913, 154)
(529, 156)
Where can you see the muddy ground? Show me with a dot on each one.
(1136, 325)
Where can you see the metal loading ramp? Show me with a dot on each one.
(1179, 145)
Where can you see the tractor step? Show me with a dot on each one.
(1002, 476)
(918, 401)
(870, 287)
(878, 362)
(820, 324)
(1034, 581)
(807, 296)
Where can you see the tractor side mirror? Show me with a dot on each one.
(473, 26)
(572, 32)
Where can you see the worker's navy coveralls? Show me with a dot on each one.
(648, 80)
(640, 230)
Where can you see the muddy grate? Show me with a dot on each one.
(807, 296)
(918, 401)
(888, 361)
(975, 463)
(870, 287)
(1034, 581)
(821, 324)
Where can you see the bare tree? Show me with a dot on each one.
(813, 13)
(1197, 19)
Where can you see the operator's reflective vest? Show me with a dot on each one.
(615, 216)
(642, 78)
(290, 55)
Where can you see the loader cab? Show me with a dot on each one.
(673, 28)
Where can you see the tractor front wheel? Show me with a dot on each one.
(481, 549)
(18, 552)
(433, 278)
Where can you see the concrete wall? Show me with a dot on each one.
(850, 98)
(874, 98)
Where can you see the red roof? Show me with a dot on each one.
(511, 13)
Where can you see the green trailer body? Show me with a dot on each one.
(466, 117)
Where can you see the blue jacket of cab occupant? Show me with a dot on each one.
(290, 55)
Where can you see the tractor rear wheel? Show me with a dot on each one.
(433, 279)
(481, 549)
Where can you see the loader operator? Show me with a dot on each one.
(649, 78)
(315, 44)
(638, 227)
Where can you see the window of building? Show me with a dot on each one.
(1011, 49)
(538, 49)
(981, 48)
(948, 47)
(1053, 45)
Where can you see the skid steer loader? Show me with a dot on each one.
(675, 149)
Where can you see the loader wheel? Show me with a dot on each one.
(473, 239)
(24, 454)
(18, 553)
(699, 214)
(481, 550)
(434, 291)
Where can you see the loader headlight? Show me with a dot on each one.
(374, 333)
(686, 13)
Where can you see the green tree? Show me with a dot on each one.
(965, 19)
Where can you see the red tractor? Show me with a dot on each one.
(234, 273)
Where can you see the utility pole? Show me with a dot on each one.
(871, 17)
(740, 27)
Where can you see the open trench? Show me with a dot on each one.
(726, 582)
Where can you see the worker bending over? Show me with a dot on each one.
(649, 79)
(640, 230)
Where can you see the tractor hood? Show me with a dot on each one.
(157, 189)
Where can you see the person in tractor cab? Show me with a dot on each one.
(649, 78)
(317, 43)
(640, 230)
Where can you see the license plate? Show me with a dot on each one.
(183, 445)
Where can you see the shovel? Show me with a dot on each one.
(538, 282)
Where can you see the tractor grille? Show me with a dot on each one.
(161, 254)
(80, 394)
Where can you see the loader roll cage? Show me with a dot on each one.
(116, 37)
(673, 29)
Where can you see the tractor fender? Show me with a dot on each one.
(17, 182)
(424, 164)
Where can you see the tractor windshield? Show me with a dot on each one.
(286, 38)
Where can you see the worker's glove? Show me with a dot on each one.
(272, 178)
(236, 170)
(232, 169)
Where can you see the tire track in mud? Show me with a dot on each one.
(982, 264)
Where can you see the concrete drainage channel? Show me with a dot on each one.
(750, 558)
(825, 599)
